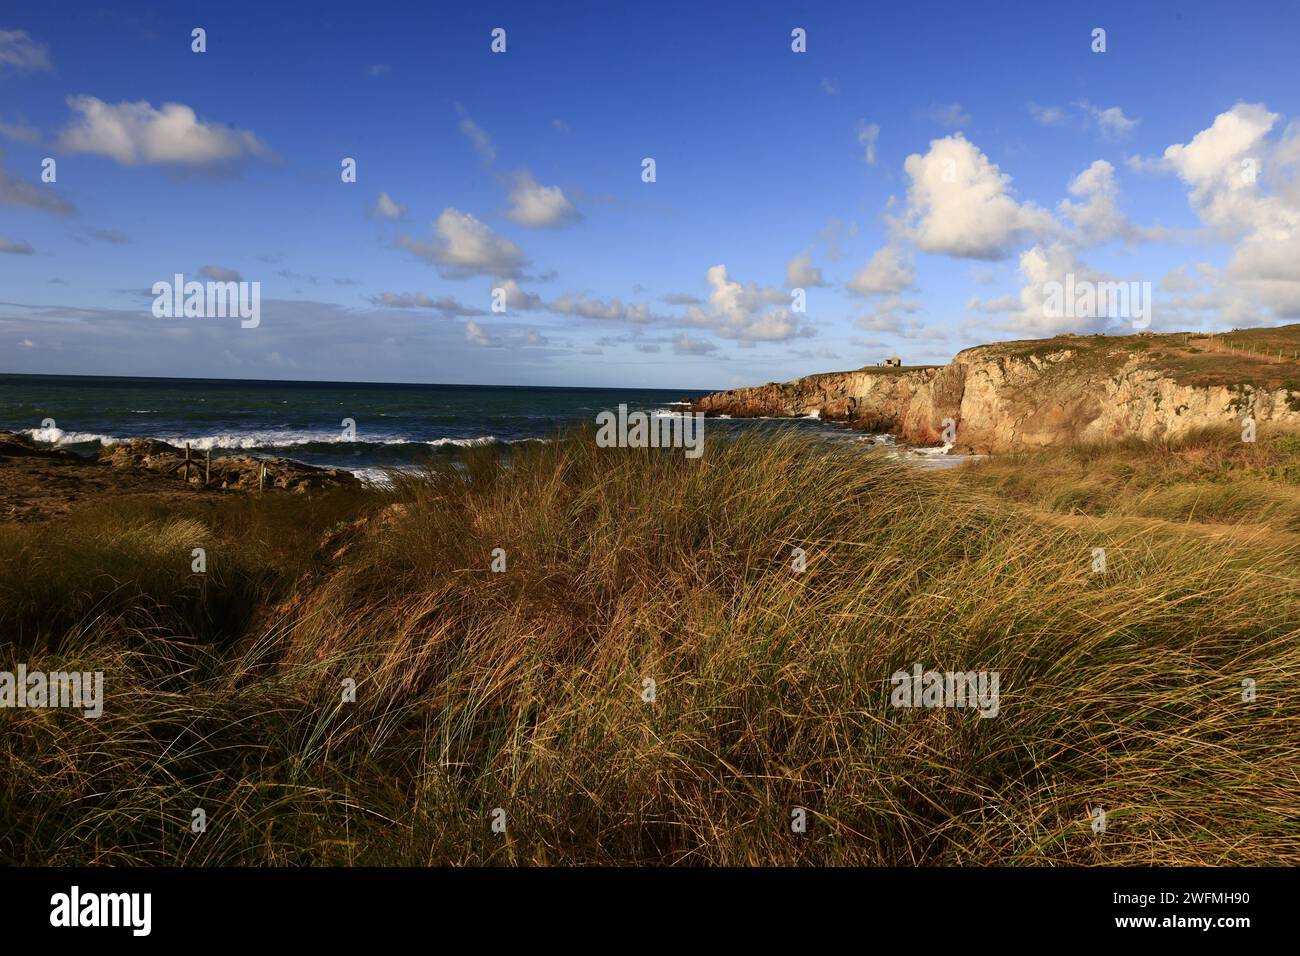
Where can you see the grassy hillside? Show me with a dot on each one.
(1263, 358)
(524, 690)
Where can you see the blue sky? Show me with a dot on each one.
(921, 172)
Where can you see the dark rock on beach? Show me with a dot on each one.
(38, 483)
(240, 471)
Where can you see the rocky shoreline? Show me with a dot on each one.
(1030, 394)
(38, 482)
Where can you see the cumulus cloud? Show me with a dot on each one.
(538, 206)
(1222, 165)
(19, 53)
(517, 300)
(1097, 218)
(960, 204)
(747, 313)
(476, 336)
(15, 248)
(463, 246)
(1229, 168)
(136, 133)
(386, 208)
(1029, 313)
(531, 203)
(580, 305)
(800, 273)
(886, 271)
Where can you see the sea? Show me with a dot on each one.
(368, 429)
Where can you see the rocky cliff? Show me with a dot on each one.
(1066, 389)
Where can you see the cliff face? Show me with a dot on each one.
(1067, 389)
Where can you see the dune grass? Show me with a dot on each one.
(525, 691)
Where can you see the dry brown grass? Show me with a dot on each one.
(523, 690)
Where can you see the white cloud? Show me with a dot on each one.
(135, 133)
(1029, 313)
(1111, 121)
(479, 139)
(740, 312)
(959, 203)
(518, 300)
(580, 305)
(1098, 218)
(1217, 164)
(886, 271)
(476, 336)
(868, 133)
(538, 206)
(20, 53)
(385, 208)
(800, 273)
(1228, 167)
(685, 345)
(463, 247)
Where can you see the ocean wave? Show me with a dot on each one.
(57, 436)
(260, 439)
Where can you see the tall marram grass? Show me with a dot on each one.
(523, 690)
